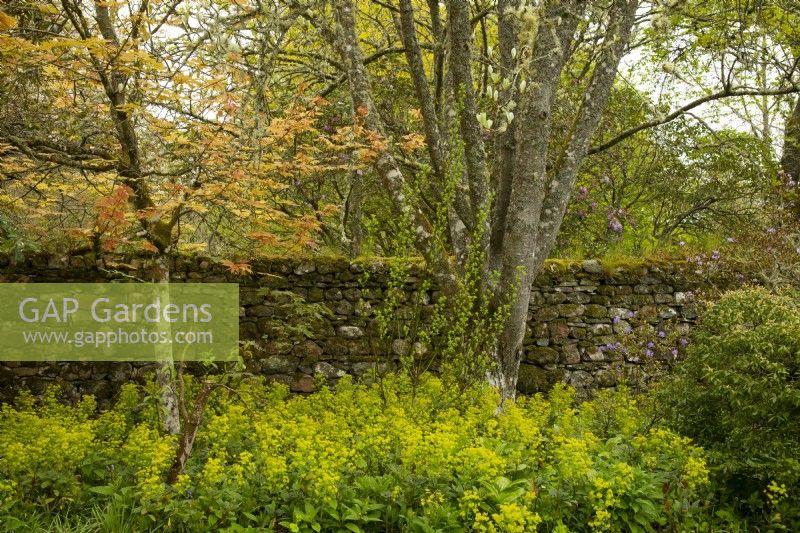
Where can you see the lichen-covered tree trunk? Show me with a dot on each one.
(165, 371)
(790, 159)
(158, 230)
(540, 195)
(508, 213)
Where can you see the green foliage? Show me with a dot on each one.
(360, 458)
(298, 318)
(677, 183)
(738, 395)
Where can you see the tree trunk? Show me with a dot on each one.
(190, 432)
(529, 186)
(353, 214)
(537, 207)
(790, 160)
(165, 371)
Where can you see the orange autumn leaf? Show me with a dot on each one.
(238, 269)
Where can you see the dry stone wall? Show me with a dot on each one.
(572, 316)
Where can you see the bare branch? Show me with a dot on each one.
(725, 93)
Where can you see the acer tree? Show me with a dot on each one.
(117, 133)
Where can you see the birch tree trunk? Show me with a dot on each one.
(157, 229)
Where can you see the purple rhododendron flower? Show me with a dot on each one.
(662, 334)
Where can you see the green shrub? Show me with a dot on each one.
(738, 395)
(360, 458)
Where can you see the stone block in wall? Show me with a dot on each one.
(546, 313)
(578, 298)
(606, 290)
(367, 367)
(683, 297)
(620, 312)
(360, 347)
(592, 266)
(607, 377)
(307, 350)
(621, 327)
(533, 378)
(666, 312)
(352, 294)
(279, 364)
(636, 300)
(571, 310)
(559, 330)
(344, 307)
(248, 331)
(539, 329)
(595, 354)
(302, 383)
(26, 371)
(570, 354)
(596, 311)
(335, 347)
(328, 370)
(316, 294)
(555, 297)
(277, 347)
(542, 355)
(600, 329)
(663, 298)
(305, 267)
(363, 308)
(579, 379)
(260, 310)
(334, 294)
(648, 313)
(600, 299)
(578, 331)
(689, 311)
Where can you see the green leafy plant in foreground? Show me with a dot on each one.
(738, 395)
(358, 458)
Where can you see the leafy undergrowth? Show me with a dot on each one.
(383, 457)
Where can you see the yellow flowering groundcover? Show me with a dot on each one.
(380, 457)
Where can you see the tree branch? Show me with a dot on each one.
(385, 164)
(725, 93)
